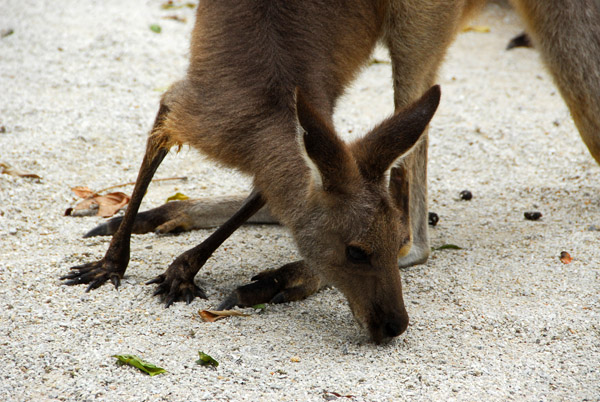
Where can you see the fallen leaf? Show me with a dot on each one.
(83, 192)
(477, 28)
(178, 197)
(565, 257)
(214, 315)
(261, 306)
(6, 32)
(155, 28)
(10, 170)
(447, 247)
(338, 395)
(95, 204)
(175, 18)
(206, 360)
(170, 5)
(135, 361)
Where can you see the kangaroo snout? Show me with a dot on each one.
(383, 327)
(378, 306)
(395, 326)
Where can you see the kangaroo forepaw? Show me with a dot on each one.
(95, 274)
(176, 285)
(289, 283)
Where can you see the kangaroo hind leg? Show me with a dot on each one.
(181, 216)
(417, 43)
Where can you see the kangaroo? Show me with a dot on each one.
(259, 95)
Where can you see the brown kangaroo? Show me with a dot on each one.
(356, 211)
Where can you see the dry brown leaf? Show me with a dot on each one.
(102, 205)
(338, 395)
(566, 258)
(83, 192)
(111, 203)
(175, 18)
(214, 315)
(13, 171)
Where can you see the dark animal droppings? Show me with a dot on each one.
(532, 215)
(466, 195)
(433, 219)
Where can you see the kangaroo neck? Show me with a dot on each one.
(282, 175)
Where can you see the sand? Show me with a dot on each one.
(500, 319)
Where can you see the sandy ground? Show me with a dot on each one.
(501, 319)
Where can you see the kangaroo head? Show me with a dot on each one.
(356, 222)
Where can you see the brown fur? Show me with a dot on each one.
(350, 216)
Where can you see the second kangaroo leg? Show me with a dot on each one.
(567, 33)
(177, 283)
(181, 216)
(417, 44)
(112, 267)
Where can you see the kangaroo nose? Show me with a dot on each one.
(395, 327)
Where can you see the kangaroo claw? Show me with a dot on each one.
(94, 274)
(172, 288)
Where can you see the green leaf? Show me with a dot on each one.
(261, 306)
(447, 247)
(135, 361)
(178, 197)
(206, 360)
(155, 28)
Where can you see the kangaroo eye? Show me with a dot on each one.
(357, 255)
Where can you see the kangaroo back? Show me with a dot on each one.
(247, 56)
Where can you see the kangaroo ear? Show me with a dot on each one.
(378, 150)
(328, 157)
